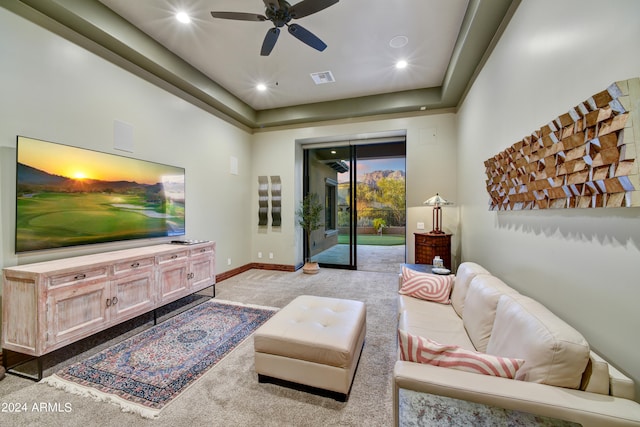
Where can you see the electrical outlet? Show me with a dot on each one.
(228, 261)
(420, 226)
(270, 255)
(259, 254)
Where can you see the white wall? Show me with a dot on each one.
(431, 167)
(56, 91)
(582, 264)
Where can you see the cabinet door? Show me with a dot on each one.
(132, 290)
(131, 295)
(201, 268)
(172, 276)
(75, 312)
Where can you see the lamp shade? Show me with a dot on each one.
(437, 201)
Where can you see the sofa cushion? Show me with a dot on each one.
(423, 350)
(436, 321)
(480, 308)
(556, 354)
(427, 286)
(466, 272)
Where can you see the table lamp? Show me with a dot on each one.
(437, 201)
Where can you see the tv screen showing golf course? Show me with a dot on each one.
(68, 196)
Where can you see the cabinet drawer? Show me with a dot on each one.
(432, 241)
(173, 256)
(78, 276)
(132, 265)
(201, 251)
(421, 239)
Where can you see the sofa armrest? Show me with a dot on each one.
(618, 383)
(588, 409)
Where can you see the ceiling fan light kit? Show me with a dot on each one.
(280, 13)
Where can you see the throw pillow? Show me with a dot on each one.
(414, 348)
(426, 286)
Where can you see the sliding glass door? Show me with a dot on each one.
(328, 173)
(362, 189)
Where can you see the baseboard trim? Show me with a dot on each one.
(254, 265)
(276, 267)
(234, 272)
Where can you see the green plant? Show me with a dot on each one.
(309, 218)
(379, 223)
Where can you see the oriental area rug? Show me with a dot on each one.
(146, 372)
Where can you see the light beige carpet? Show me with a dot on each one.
(229, 394)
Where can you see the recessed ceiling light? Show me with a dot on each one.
(183, 17)
(398, 42)
(401, 64)
(261, 87)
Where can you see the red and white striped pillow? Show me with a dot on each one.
(414, 348)
(427, 286)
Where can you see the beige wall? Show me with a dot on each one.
(582, 264)
(54, 90)
(431, 167)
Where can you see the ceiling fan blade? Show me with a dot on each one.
(270, 41)
(307, 37)
(272, 4)
(239, 16)
(307, 7)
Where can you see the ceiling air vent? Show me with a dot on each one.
(322, 77)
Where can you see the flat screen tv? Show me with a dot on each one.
(68, 196)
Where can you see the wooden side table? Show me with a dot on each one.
(429, 245)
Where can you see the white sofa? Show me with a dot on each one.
(561, 377)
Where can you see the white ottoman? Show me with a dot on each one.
(314, 342)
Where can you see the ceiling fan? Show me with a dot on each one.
(280, 12)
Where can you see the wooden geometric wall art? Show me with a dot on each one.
(585, 158)
(276, 201)
(263, 200)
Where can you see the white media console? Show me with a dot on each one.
(48, 305)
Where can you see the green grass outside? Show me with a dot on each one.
(374, 239)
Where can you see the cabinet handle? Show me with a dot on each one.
(174, 256)
(135, 265)
(114, 300)
(80, 276)
(108, 302)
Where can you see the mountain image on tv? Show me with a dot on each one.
(68, 196)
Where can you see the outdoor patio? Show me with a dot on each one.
(370, 257)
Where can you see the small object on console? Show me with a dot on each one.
(187, 242)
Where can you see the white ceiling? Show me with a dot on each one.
(216, 63)
(357, 32)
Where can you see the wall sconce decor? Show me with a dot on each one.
(263, 201)
(276, 201)
(437, 201)
(585, 158)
